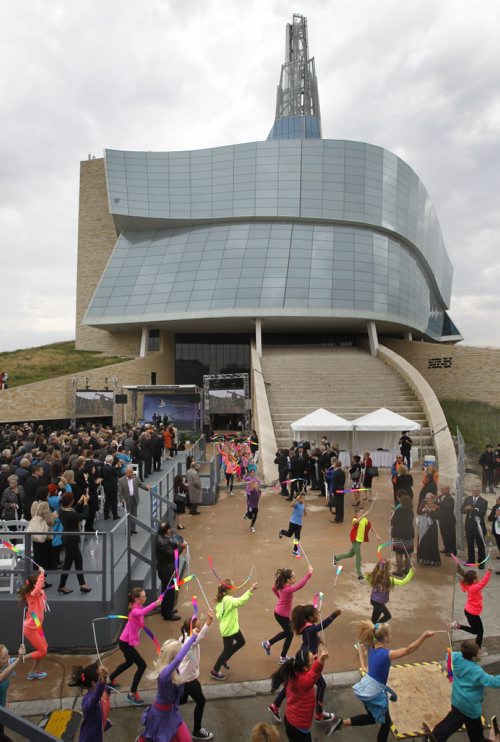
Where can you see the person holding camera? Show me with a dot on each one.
(71, 519)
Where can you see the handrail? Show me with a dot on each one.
(22, 726)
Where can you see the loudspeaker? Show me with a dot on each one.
(121, 399)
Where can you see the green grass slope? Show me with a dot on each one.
(478, 422)
(46, 361)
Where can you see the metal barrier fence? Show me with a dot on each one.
(23, 727)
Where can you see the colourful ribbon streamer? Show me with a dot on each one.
(470, 564)
(180, 583)
(19, 553)
(229, 587)
(360, 489)
(297, 479)
(318, 600)
(382, 546)
(10, 546)
(38, 623)
(195, 614)
(338, 572)
(176, 569)
(147, 631)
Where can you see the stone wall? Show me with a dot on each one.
(454, 371)
(54, 398)
(96, 240)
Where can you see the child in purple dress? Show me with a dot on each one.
(162, 721)
(253, 493)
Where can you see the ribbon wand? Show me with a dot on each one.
(338, 572)
(203, 593)
(304, 553)
(22, 630)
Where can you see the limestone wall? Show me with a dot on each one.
(54, 398)
(454, 371)
(443, 442)
(262, 421)
(96, 239)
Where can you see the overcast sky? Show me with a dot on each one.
(420, 78)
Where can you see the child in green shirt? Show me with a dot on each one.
(226, 611)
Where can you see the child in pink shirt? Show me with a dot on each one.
(284, 587)
(129, 640)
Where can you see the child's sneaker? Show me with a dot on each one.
(217, 675)
(282, 660)
(324, 716)
(280, 535)
(202, 734)
(113, 684)
(267, 647)
(252, 529)
(454, 625)
(275, 711)
(360, 577)
(37, 675)
(337, 724)
(334, 561)
(134, 699)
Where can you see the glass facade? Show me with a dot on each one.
(296, 127)
(200, 355)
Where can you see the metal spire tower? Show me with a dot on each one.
(297, 101)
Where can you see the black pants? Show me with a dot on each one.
(363, 720)
(148, 464)
(380, 609)
(452, 723)
(338, 504)
(157, 462)
(110, 504)
(132, 657)
(283, 475)
(252, 514)
(193, 688)
(229, 481)
(294, 735)
(293, 530)
(168, 601)
(406, 457)
(475, 627)
(42, 554)
(474, 539)
(72, 555)
(231, 645)
(286, 634)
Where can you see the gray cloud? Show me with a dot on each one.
(419, 78)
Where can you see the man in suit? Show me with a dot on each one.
(110, 473)
(128, 491)
(337, 490)
(475, 508)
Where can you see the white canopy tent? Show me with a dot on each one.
(321, 422)
(381, 428)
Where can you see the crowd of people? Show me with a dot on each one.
(53, 477)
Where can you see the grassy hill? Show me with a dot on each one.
(47, 361)
(479, 422)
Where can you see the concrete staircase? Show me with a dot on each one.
(347, 381)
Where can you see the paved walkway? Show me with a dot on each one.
(427, 603)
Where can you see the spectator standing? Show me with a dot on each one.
(487, 462)
(31, 484)
(475, 508)
(194, 487)
(405, 444)
(12, 499)
(165, 565)
(110, 473)
(447, 521)
(338, 487)
(128, 492)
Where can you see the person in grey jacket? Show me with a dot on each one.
(194, 486)
(128, 492)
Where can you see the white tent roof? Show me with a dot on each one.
(384, 419)
(322, 420)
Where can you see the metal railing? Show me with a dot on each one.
(23, 727)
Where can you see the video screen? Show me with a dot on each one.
(93, 403)
(226, 401)
(182, 410)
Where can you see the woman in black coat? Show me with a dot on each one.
(165, 567)
(403, 533)
(70, 519)
(404, 483)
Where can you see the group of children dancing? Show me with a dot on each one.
(299, 678)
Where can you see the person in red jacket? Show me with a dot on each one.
(474, 604)
(299, 675)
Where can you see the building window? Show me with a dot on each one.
(153, 340)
